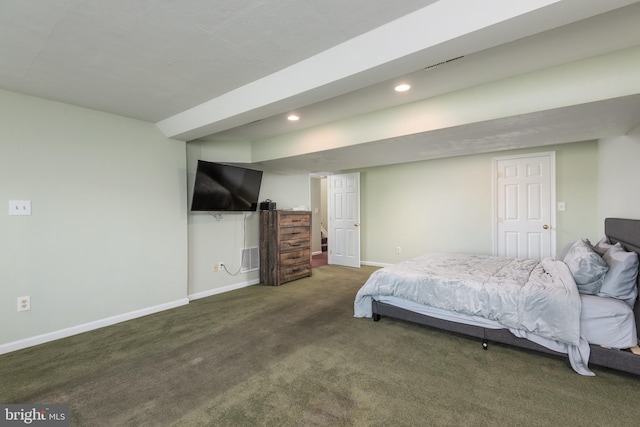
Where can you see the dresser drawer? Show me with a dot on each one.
(294, 245)
(294, 233)
(295, 219)
(295, 257)
(293, 272)
(285, 246)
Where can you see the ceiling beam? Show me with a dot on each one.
(367, 59)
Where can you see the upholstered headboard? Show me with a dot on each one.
(627, 232)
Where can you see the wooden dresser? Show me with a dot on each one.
(285, 246)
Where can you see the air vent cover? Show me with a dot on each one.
(250, 259)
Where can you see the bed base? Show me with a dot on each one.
(610, 358)
(625, 231)
(486, 335)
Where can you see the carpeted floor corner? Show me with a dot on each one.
(294, 355)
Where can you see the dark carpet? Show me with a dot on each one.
(294, 356)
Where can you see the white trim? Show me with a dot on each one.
(222, 290)
(97, 324)
(86, 327)
(316, 253)
(375, 264)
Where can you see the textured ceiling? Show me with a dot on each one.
(152, 59)
(219, 71)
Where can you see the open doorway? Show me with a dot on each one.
(335, 204)
(319, 234)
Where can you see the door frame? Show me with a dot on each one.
(330, 220)
(552, 207)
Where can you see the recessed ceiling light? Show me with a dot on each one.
(293, 118)
(402, 87)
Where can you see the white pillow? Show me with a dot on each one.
(587, 267)
(621, 280)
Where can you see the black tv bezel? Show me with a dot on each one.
(204, 165)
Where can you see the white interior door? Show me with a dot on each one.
(525, 201)
(344, 219)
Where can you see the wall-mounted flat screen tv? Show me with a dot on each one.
(220, 187)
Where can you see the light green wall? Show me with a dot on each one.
(288, 191)
(619, 177)
(214, 238)
(577, 186)
(445, 205)
(222, 151)
(111, 233)
(107, 235)
(217, 238)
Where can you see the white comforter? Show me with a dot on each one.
(535, 297)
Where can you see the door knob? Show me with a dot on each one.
(545, 226)
(356, 224)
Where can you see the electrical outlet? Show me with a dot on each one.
(24, 303)
(221, 265)
(19, 207)
(398, 250)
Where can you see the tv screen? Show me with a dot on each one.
(221, 187)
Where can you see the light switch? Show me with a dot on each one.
(19, 207)
(561, 206)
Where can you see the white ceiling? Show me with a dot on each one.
(228, 70)
(152, 59)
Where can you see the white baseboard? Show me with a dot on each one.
(375, 264)
(86, 327)
(222, 290)
(97, 324)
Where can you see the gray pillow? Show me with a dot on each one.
(620, 281)
(603, 245)
(586, 266)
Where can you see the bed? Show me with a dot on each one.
(566, 306)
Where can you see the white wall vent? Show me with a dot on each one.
(250, 259)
